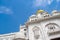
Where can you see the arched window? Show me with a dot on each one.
(36, 32)
(52, 26)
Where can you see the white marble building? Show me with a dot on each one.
(40, 26)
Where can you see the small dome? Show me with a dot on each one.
(32, 16)
(54, 11)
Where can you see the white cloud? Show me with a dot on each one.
(58, 0)
(8, 11)
(43, 3)
(5, 10)
(50, 1)
(38, 2)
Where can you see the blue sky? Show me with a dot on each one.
(16, 12)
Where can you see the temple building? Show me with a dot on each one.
(40, 26)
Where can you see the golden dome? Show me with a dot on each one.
(40, 11)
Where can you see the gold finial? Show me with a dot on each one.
(40, 11)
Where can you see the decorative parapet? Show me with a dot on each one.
(43, 19)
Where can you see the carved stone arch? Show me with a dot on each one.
(35, 28)
(52, 26)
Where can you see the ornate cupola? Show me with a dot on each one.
(42, 14)
(39, 13)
